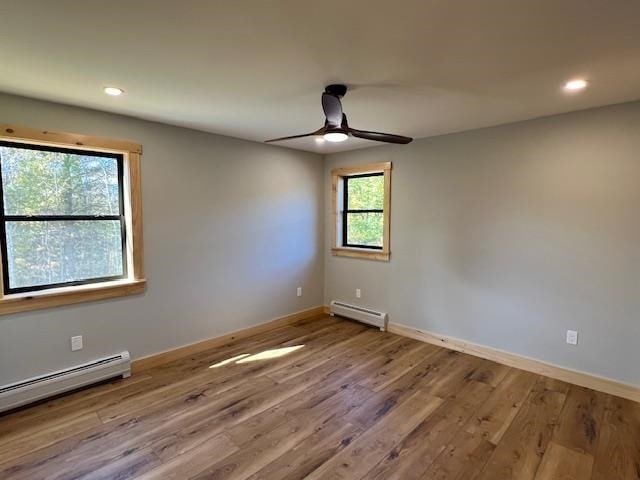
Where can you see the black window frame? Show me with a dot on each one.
(346, 211)
(119, 157)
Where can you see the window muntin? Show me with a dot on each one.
(62, 220)
(363, 214)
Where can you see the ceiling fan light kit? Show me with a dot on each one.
(335, 136)
(336, 128)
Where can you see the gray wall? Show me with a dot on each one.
(505, 236)
(231, 229)
(509, 236)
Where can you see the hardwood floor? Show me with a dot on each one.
(326, 399)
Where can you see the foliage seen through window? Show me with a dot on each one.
(363, 219)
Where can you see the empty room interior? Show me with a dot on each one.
(286, 240)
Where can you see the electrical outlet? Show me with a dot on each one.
(358, 293)
(572, 337)
(299, 291)
(76, 343)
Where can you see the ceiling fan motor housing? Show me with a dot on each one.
(336, 89)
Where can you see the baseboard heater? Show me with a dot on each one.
(366, 315)
(36, 388)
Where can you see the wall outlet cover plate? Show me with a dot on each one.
(76, 343)
(572, 337)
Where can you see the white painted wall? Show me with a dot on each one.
(231, 229)
(509, 236)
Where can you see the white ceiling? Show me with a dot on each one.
(255, 69)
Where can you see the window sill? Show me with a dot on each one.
(378, 255)
(22, 302)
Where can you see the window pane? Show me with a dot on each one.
(366, 193)
(41, 253)
(39, 182)
(365, 229)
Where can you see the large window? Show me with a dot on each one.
(62, 221)
(361, 211)
(70, 219)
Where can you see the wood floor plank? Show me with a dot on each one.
(352, 403)
(313, 451)
(420, 448)
(429, 375)
(562, 463)
(191, 463)
(354, 364)
(34, 438)
(491, 372)
(462, 459)
(356, 460)
(367, 341)
(394, 368)
(266, 449)
(210, 422)
(618, 449)
(125, 466)
(524, 443)
(304, 401)
(496, 415)
(398, 391)
(581, 420)
(460, 369)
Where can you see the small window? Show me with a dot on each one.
(70, 219)
(62, 221)
(361, 207)
(363, 219)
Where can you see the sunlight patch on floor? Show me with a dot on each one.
(266, 355)
(229, 360)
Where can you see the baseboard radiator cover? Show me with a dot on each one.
(37, 388)
(362, 314)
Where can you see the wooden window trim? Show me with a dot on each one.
(353, 252)
(136, 282)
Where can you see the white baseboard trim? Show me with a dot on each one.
(583, 379)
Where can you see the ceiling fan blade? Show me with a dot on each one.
(380, 137)
(320, 131)
(332, 109)
(289, 138)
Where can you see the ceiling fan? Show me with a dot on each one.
(336, 128)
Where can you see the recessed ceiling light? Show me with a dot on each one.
(335, 137)
(113, 91)
(575, 84)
